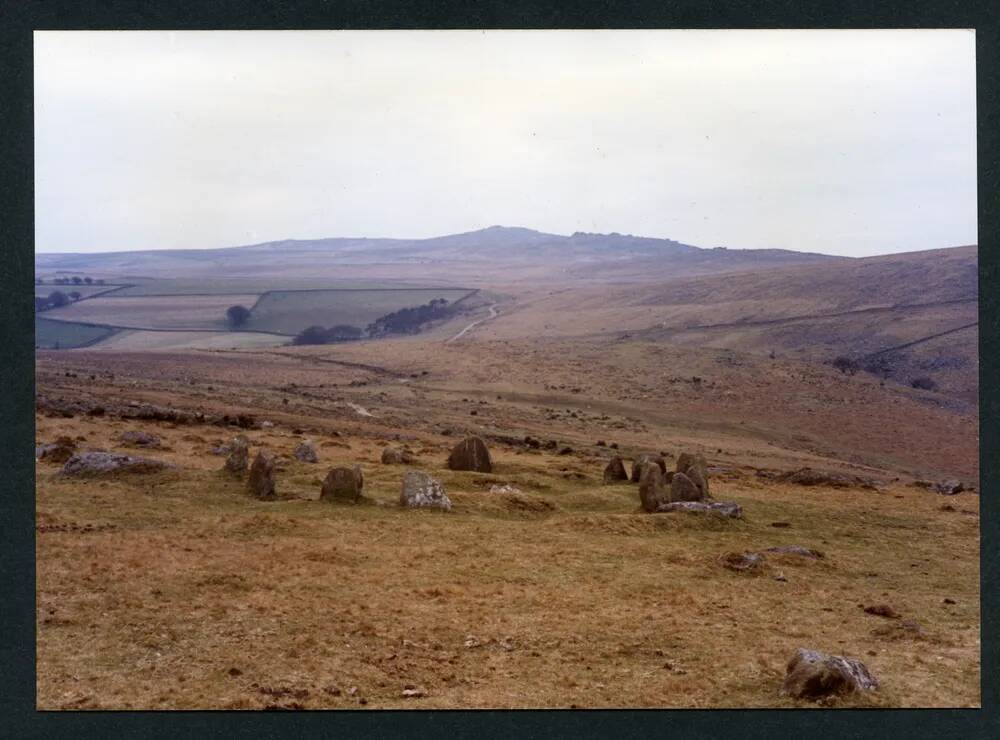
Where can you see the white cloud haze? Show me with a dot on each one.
(845, 142)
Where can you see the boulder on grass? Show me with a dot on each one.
(239, 453)
(396, 456)
(615, 471)
(743, 562)
(58, 452)
(101, 463)
(471, 454)
(949, 487)
(343, 484)
(260, 482)
(422, 491)
(136, 438)
(696, 469)
(813, 675)
(306, 452)
(721, 508)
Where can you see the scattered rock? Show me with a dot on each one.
(306, 452)
(239, 452)
(812, 675)
(696, 469)
(882, 610)
(58, 452)
(682, 488)
(420, 490)
(922, 484)
(949, 601)
(506, 488)
(97, 463)
(397, 456)
(810, 477)
(781, 525)
(949, 487)
(796, 550)
(905, 629)
(140, 439)
(343, 484)
(747, 562)
(413, 693)
(722, 508)
(615, 470)
(260, 482)
(471, 454)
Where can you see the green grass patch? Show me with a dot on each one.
(289, 312)
(51, 334)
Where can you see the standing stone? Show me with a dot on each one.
(305, 452)
(696, 469)
(811, 675)
(343, 484)
(420, 490)
(647, 459)
(653, 491)
(471, 454)
(682, 488)
(260, 482)
(239, 452)
(615, 470)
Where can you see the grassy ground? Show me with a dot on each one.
(156, 312)
(66, 335)
(187, 594)
(290, 312)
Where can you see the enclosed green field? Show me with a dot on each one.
(84, 290)
(51, 334)
(238, 286)
(289, 312)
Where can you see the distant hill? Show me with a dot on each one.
(915, 313)
(527, 253)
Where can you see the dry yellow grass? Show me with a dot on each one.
(194, 596)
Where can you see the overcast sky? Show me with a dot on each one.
(844, 142)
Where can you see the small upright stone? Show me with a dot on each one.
(471, 454)
(239, 452)
(306, 452)
(696, 469)
(652, 490)
(682, 488)
(422, 491)
(343, 484)
(260, 482)
(647, 459)
(615, 471)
